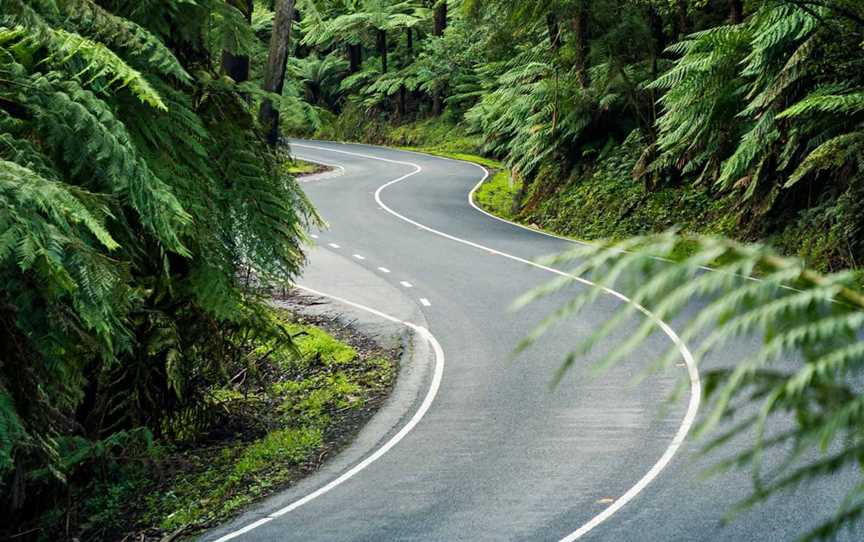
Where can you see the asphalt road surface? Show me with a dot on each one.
(476, 445)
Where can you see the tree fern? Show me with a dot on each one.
(100, 62)
(134, 189)
(62, 111)
(808, 320)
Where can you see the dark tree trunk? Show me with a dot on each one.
(403, 92)
(554, 31)
(440, 19)
(382, 49)
(403, 101)
(682, 20)
(274, 70)
(658, 46)
(658, 41)
(355, 57)
(438, 27)
(580, 32)
(300, 50)
(736, 11)
(237, 66)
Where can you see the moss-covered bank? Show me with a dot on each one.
(279, 424)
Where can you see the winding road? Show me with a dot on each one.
(475, 445)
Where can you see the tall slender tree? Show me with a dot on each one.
(440, 22)
(580, 28)
(381, 43)
(736, 11)
(274, 70)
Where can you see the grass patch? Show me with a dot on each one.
(301, 167)
(497, 195)
(275, 427)
(231, 479)
(298, 168)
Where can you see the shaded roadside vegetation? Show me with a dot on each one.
(740, 118)
(138, 197)
(273, 427)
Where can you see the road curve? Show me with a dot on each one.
(494, 453)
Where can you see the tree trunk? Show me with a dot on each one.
(274, 70)
(382, 49)
(440, 19)
(658, 46)
(355, 57)
(301, 50)
(403, 92)
(237, 66)
(736, 11)
(580, 31)
(554, 31)
(403, 101)
(658, 41)
(438, 27)
(682, 20)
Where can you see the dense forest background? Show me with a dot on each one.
(615, 118)
(144, 199)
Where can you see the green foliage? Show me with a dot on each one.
(765, 113)
(347, 21)
(300, 407)
(318, 346)
(136, 201)
(810, 354)
(498, 195)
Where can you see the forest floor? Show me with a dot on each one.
(281, 425)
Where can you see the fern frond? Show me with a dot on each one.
(808, 325)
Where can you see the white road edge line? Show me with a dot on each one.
(692, 370)
(415, 419)
(333, 245)
(516, 224)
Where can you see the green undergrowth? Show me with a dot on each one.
(278, 424)
(438, 134)
(599, 199)
(498, 194)
(301, 167)
(602, 201)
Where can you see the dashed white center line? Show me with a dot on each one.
(359, 257)
(313, 236)
(425, 302)
(334, 245)
(383, 270)
(406, 284)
